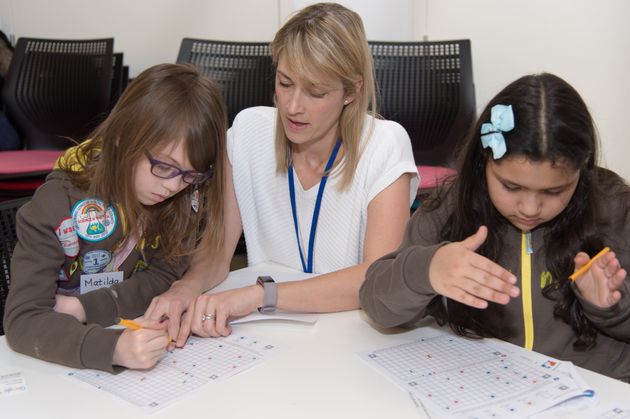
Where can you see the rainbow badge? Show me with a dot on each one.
(93, 222)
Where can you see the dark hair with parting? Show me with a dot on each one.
(165, 104)
(552, 123)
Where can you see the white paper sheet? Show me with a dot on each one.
(202, 361)
(455, 377)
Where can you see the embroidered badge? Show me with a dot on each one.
(74, 267)
(95, 261)
(92, 221)
(545, 279)
(67, 236)
(140, 266)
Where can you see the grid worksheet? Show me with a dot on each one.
(475, 378)
(201, 361)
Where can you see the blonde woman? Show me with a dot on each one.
(318, 183)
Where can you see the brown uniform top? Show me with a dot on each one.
(397, 292)
(61, 235)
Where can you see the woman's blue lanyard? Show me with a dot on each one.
(318, 203)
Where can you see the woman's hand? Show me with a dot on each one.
(143, 348)
(601, 283)
(218, 309)
(177, 305)
(457, 272)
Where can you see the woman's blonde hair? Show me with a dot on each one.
(166, 103)
(327, 39)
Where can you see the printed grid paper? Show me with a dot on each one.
(609, 412)
(569, 409)
(457, 377)
(13, 383)
(200, 362)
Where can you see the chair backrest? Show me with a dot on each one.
(8, 239)
(118, 81)
(428, 88)
(58, 88)
(243, 70)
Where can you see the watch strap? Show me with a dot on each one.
(270, 294)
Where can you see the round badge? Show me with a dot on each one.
(67, 237)
(95, 261)
(94, 222)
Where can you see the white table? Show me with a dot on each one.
(317, 375)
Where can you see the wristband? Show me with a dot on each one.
(270, 298)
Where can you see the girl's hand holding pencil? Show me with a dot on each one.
(599, 279)
(142, 344)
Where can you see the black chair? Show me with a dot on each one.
(8, 239)
(428, 88)
(243, 70)
(57, 89)
(120, 78)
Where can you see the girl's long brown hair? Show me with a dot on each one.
(166, 103)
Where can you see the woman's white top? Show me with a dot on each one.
(265, 205)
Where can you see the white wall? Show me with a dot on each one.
(147, 31)
(584, 41)
(384, 20)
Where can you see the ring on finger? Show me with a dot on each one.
(205, 317)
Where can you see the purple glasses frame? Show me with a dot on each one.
(192, 177)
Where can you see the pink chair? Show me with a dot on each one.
(432, 177)
(427, 87)
(23, 171)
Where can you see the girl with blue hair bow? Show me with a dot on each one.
(503, 249)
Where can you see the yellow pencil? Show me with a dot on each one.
(586, 267)
(130, 324)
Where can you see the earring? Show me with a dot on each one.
(345, 102)
(194, 199)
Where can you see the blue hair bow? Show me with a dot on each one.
(501, 120)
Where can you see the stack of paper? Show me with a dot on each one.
(456, 377)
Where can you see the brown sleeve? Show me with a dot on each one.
(32, 326)
(614, 321)
(130, 298)
(396, 290)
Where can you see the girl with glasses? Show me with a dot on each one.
(116, 223)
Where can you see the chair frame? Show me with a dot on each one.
(428, 88)
(8, 240)
(40, 74)
(244, 71)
